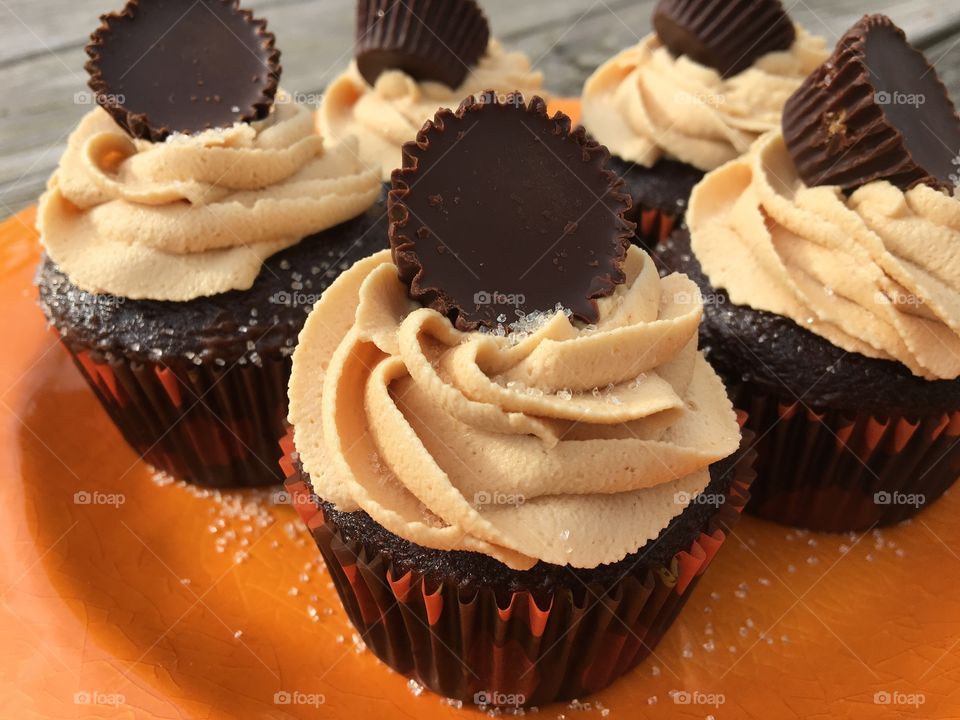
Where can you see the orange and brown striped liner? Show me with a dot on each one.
(524, 650)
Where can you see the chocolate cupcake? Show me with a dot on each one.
(828, 255)
(412, 58)
(192, 221)
(514, 460)
(692, 95)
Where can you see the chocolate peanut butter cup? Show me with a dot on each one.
(501, 210)
(163, 66)
(727, 35)
(875, 110)
(427, 39)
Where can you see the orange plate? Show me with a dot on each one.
(161, 602)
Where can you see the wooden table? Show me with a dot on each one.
(41, 58)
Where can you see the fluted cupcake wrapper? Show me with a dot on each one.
(659, 195)
(836, 471)
(653, 227)
(209, 425)
(522, 650)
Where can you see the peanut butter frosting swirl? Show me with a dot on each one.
(195, 215)
(571, 445)
(876, 273)
(645, 104)
(390, 113)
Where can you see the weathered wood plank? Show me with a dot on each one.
(59, 25)
(831, 18)
(42, 59)
(56, 25)
(569, 53)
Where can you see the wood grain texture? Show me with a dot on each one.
(41, 60)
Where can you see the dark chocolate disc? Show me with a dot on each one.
(165, 66)
(436, 40)
(875, 110)
(500, 211)
(726, 35)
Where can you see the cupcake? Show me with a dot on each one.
(412, 58)
(513, 459)
(192, 221)
(829, 255)
(692, 95)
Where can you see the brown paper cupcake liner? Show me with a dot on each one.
(521, 650)
(653, 226)
(209, 425)
(836, 471)
(660, 195)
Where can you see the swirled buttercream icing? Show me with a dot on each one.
(876, 273)
(556, 442)
(390, 113)
(645, 104)
(194, 215)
